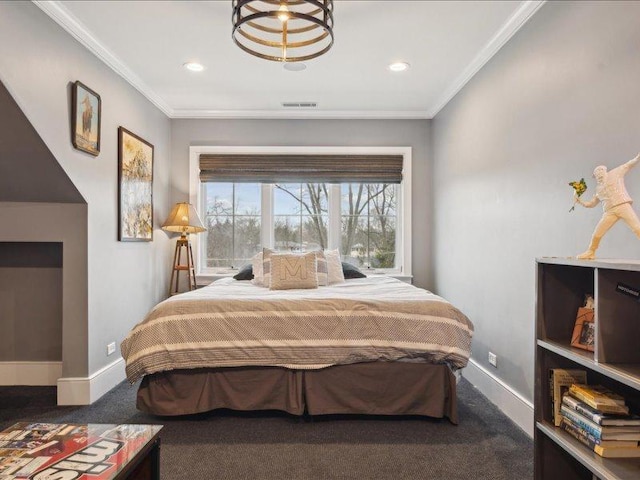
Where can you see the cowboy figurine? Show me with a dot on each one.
(616, 203)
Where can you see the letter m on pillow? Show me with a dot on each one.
(293, 268)
(294, 271)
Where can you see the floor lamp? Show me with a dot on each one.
(183, 219)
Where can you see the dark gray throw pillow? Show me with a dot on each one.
(245, 273)
(351, 271)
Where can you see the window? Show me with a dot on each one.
(232, 218)
(368, 222)
(301, 216)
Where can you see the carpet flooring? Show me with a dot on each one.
(273, 446)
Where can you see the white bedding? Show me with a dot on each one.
(378, 286)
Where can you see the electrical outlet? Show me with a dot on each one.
(111, 348)
(493, 359)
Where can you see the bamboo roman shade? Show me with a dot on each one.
(301, 168)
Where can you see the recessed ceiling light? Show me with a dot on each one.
(398, 66)
(295, 66)
(194, 66)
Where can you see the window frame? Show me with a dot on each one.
(403, 242)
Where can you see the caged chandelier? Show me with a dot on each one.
(283, 30)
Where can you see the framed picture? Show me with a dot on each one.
(584, 331)
(85, 118)
(135, 188)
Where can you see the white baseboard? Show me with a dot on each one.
(86, 390)
(30, 373)
(510, 402)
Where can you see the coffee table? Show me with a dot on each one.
(39, 451)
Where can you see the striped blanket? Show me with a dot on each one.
(234, 323)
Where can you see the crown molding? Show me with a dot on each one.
(302, 114)
(63, 17)
(502, 36)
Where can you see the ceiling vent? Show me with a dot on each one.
(300, 104)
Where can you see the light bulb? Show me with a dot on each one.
(283, 13)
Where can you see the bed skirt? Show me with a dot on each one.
(374, 388)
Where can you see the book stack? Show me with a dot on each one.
(560, 380)
(600, 419)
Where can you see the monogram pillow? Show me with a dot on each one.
(290, 271)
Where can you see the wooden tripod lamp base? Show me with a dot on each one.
(183, 219)
(178, 266)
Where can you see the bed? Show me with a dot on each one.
(373, 345)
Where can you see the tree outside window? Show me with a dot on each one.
(301, 216)
(300, 221)
(369, 221)
(233, 219)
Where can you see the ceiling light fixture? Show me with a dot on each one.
(398, 66)
(193, 66)
(283, 30)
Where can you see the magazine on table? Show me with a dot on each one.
(42, 451)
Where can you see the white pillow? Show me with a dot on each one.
(266, 266)
(334, 267)
(323, 272)
(258, 275)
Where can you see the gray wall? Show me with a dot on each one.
(411, 133)
(38, 62)
(559, 99)
(28, 170)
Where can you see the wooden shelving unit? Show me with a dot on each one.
(615, 362)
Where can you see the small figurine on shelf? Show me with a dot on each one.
(589, 302)
(616, 203)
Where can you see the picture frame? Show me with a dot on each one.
(584, 331)
(135, 188)
(86, 116)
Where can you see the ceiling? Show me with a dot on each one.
(147, 42)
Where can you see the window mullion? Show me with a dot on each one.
(399, 228)
(202, 242)
(335, 219)
(266, 216)
(233, 225)
(300, 209)
(368, 227)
